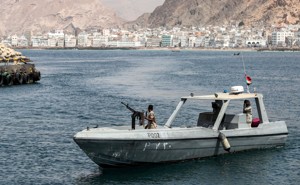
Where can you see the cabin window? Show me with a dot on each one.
(236, 107)
(197, 113)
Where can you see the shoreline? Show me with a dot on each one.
(161, 49)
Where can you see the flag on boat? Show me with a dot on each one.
(248, 80)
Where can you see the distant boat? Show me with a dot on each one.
(216, 132)
(236, 54)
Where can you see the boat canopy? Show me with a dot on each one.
(224, 96)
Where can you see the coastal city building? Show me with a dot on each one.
(195, 37)
(166, 40)
(83, 40)
(279, 37)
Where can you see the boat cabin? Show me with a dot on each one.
(220, 117)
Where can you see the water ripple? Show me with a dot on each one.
(86, 88)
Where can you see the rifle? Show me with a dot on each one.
(135, 114)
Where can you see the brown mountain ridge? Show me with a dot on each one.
(219, 12)
(19, 16)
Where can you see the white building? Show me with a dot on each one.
(56, 39)
(192, 42)
(57, 34)
(90, 41)
(166, 40)
(278, 38)
(35, 41)
(124, 44)
(153, 42)
(226, 41)
(106, 32)
(43, 42)
(61, 42)
(176, 42)
(183, 41)
(199, 42)
(83, 39)
(22, 41)
(256, 42)
(6, 42)
(52, 42)
(14, 40)
(99, 40)
(103, 40)
(39, 41)
(297, 38)
(70, 41)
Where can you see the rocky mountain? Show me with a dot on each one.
(131, 9)
(218, 12)
(17, 16)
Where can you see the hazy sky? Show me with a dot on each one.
(132, 9)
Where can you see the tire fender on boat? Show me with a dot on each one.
(224, 141)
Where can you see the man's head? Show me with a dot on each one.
(247, 103)
(150, 107)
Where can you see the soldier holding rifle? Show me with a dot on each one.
(140, 115)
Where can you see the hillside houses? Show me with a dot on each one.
(207, 37)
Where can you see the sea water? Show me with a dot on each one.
(81, 88)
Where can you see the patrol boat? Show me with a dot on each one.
(222, 129)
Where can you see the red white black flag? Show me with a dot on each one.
(248, 80)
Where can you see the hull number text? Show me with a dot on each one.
(153, 135)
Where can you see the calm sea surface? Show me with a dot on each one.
(85, 88)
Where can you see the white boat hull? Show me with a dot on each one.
(115, 148)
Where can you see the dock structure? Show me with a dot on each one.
(15, 68)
